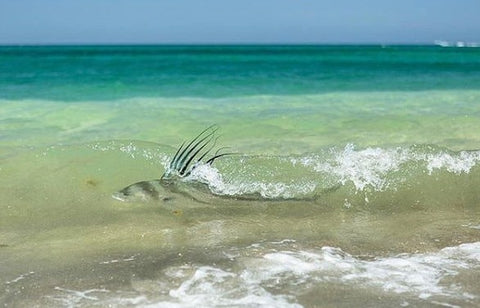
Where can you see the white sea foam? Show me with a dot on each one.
(21, 277)
(364, 168)
(461, 163)
(215, 181)
(400, 274)
(133, 151)
(210, 286)
(371, 167)
(73, 298)
(276, 274)
(132, 258)
(417, 275)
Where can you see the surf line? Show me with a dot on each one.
(185, 160)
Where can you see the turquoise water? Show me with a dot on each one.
(79, 73)
(337, 150)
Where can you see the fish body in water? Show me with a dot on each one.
(143, 191)
(186, 159)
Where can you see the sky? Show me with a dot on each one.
(238, 21)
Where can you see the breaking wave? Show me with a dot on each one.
(346, 175)
(356, 170)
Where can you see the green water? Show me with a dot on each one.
(354, 166)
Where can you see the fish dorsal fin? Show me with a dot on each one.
(183, 162)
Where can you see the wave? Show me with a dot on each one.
(282, 274)
(357, 170)
(348, 174)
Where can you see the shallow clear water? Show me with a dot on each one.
(355, 180)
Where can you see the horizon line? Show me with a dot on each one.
(221, 44)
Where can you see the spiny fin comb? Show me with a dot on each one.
(205, 141)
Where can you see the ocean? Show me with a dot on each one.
(353, 178)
